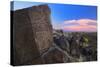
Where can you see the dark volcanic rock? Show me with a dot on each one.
(54, 56)
(32, 32)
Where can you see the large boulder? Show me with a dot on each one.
(32, 33)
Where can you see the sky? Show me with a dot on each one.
(73, 18)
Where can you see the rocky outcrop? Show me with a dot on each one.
(35, 42)
(32, 33)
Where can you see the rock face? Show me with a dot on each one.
(54, 56)
(40, 17)
(32, 33)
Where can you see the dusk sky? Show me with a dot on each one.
(75, 18)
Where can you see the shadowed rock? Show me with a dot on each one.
(32, 32)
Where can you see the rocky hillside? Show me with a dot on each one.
(35, 42)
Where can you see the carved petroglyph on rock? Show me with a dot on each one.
(32, 32)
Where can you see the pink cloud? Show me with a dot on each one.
(85, 25)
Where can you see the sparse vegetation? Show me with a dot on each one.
(79, 45)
